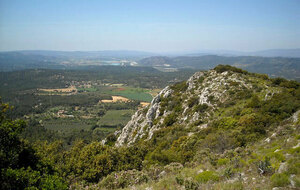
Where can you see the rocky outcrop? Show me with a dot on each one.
(141, 123)
(209, 88)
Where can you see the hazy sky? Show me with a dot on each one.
(152, 25)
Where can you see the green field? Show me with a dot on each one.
(87, 89)
(115, 117)
(111, 117)
(67, 125)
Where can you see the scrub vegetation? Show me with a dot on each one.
(222, 129)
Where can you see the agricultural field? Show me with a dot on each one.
(116, 117)
(131, 93)
(87, 104)
(134, 93)
(67, 125)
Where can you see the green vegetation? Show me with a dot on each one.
(68, 116)
(87, 89)
(20, 167)
(115, 117)
(66, 125)
(206, 176)
(223, 68)
(246, 140)
(139, 94)
(179, 87)
(280, 180)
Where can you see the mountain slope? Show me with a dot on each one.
(222, 129)
(198, 101)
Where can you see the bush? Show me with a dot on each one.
(280, 180)
(222, 161)
(201, 79)
(293, 166)
(206, 176)
(201, 108)
(228, 173)
(179, 87)
(124, 179)
(189, 184)
(170, 119)
(278, 80)
(254, 102)
(264, 167)
(193, 101)
(223, 68)
(290, 84)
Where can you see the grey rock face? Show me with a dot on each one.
(139, 123)
(210, 87)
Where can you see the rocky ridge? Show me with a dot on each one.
(222, 129)
(196, 103)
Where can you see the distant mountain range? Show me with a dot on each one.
(283, 63)
(89, 54)
(264, 53)
(31, 59)
(140, 54)
(273, 66)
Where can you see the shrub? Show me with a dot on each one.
(170, 119)
(222, 161)
(277, 155)
(164, 157)
(211, 98)
(124, 179)
(179, 87)
(264, 167)
(101, 112)
(254, 102)
(293, 166)
(111, 139)
(223, 68)
(188, 183)
(193, 101)
(206, 176)
(226, 123)
(278, 80)
(289, 84)
(228, 173)
(201, 79)
(280, 180)
(201, 108)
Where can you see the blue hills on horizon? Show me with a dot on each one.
(134, 53)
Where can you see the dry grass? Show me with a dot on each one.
(116, 99)
(144, 104)
(154, 92)
(65, 90)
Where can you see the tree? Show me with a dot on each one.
(21, 168)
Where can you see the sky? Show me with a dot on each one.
(152, 25)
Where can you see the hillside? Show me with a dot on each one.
(195, 102)
(273, 66)
(229, 128)
(224, 128)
